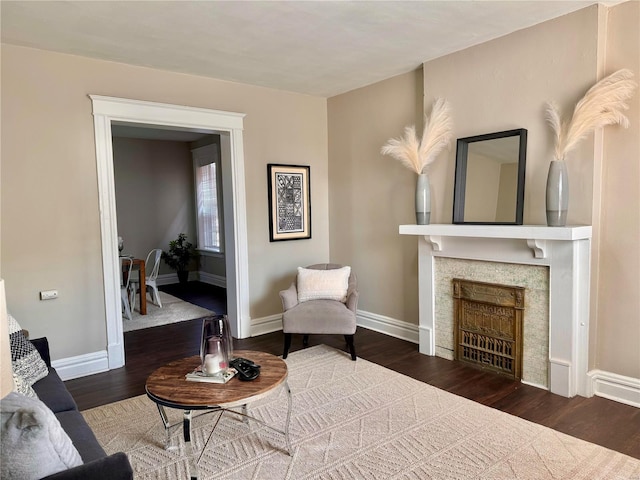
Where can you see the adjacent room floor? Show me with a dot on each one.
(204, 295)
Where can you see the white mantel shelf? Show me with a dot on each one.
(564, 250)
(534, 232)
(535, 235)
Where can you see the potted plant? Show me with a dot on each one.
(179, 256)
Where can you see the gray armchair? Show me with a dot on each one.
(319, 316)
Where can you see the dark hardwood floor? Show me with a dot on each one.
(604, 422)
(202, 294)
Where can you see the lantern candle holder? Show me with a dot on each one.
(216, 347)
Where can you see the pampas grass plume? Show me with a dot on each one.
(602, 105)
(416, 154)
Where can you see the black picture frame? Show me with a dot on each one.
(289, 202)
(462, 180)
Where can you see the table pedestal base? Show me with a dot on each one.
(187, 418)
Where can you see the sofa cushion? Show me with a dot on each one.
(81, 435)
(25, 359)
(28, 426)
(315, 284)
(52, 391)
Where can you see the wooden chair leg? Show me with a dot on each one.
(305, 341)
(287, 345)
(352, 348)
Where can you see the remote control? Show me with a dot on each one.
(247, 370)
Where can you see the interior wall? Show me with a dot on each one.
(154, 194)
(504, 84)
(500, 85)
(618, 306)
(50, 214)
(370, 195)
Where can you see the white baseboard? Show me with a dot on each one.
(615, 387)
(261, 326)
(379, 323)
(604, 384)
(204, 277)
(388, 326)
(169, 278)
(211, 279)
(82, 365)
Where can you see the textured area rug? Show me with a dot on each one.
(173, 310)
(356, 420)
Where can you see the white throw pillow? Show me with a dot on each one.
(33, 444)
(323, 284)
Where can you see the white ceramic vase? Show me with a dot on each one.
(557, 194)
(423, 200)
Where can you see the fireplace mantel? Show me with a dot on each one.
(536, 236)
(565, 250)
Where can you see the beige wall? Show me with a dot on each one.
(50, 218)
(504, 84)
(370, 195)
(154, 194)
(617, 288)
(499, 85)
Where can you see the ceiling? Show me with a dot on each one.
(320, 48)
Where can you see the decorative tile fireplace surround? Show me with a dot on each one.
(564, 251)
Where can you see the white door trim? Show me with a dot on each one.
(111, 109)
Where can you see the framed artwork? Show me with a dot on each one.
(289, 202)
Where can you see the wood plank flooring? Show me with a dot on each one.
(604, 422)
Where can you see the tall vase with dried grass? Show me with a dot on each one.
(602, 105)
(418, 155)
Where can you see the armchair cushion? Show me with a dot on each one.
(315, 284)
(319, 317)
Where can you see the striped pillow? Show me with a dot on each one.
(25, 359)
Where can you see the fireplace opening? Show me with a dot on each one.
(488, 326)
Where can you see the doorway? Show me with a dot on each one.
(155, 181)
(110, 110)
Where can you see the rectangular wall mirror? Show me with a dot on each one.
(489, 183)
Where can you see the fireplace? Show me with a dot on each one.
(533, 279)
(488, 326)
(554, 264)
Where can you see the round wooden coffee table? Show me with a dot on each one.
(168, 387)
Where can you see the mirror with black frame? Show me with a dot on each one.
(489, 182)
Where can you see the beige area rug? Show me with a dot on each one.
(173, 310)
(357, 420)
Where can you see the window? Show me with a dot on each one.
(206, 166)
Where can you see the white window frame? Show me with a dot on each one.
(199, 155)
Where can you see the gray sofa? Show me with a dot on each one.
(97, 464)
